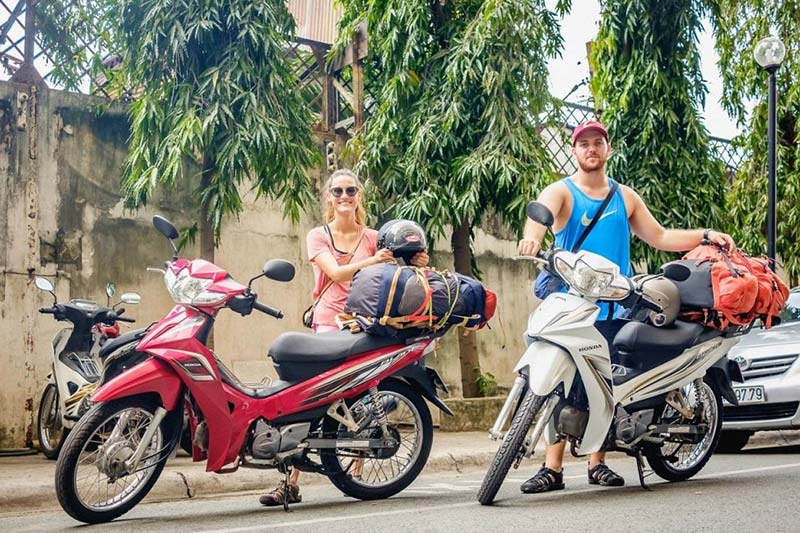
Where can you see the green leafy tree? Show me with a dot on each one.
(649, 88)
(214, 90)
(739, 25)
(459, 87)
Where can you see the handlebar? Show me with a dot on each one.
(538, 258)
(48, 310)
(271, 311)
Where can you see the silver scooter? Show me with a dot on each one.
(659, 398)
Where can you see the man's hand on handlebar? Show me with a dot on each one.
(529, 247)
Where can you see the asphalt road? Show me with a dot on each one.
(753, 491)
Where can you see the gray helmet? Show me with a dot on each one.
(404, 238)
(665, 293)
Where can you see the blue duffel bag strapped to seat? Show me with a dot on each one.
(388, 298)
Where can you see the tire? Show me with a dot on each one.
(94, 426)
(51, 430)
(342, 479)
(512, 443)
(733, 441)
(666, 469)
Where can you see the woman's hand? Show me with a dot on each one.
(420, 259)
(384, 255)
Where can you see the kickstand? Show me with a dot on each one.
(287, 473)
(640, 469)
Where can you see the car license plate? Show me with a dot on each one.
(750, 394)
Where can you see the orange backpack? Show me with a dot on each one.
(744, 288)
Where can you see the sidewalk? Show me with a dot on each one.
(27, 484)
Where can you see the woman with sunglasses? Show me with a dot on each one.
(337, 250)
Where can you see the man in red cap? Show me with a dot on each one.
(575, 201)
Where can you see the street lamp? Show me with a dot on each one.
(769, 54)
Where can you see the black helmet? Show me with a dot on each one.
(403, 237)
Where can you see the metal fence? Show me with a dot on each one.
(26, 56)
(563, 119)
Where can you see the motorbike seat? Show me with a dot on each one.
(298, 356)
(112, 344)
(641, 347)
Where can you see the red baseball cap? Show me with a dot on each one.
(591, 125)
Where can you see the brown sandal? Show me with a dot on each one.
(275, 497)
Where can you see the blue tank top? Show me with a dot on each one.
(610, 237)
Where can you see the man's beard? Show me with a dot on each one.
(591, 167)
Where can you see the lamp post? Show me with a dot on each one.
(769, 54)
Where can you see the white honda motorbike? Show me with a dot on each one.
(659, 398)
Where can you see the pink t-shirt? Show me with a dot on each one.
(332, 302)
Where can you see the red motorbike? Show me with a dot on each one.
(347, 406)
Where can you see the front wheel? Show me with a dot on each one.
(382, 473)
(511, 448)
(49, 424)
(93, 483)
(679, 461)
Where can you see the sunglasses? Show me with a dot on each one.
(338, 191)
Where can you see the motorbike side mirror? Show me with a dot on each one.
(44, 284)
(279, 270)
(540, 213)
(168, 230)
(130, 298)
(276, 269)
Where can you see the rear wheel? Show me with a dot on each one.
(383, 472)
(92, 482)
(733, 441)
(52, 432)
(677, 461)
(511, 447)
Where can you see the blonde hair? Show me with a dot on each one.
(361, 213)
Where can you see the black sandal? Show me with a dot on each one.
(545, 480)
(602, 475)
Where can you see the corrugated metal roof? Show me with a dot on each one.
(316, 19)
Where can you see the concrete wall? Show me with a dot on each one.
(61, 216)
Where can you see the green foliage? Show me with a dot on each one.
(487, 384)
(216, 88)
(650, 89)
(739, 25)
(459, 87)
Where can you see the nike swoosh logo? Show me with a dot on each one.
(585, 220)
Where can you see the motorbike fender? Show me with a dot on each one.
(547, 365)
(425, 381)
(149, 376)
(722, 374)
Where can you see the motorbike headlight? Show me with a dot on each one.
(592, 281)
(188, 290)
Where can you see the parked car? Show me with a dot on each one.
(770, 395)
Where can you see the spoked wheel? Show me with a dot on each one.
(381, 473)
(511, 447)
(676, 461)
(93, 483)
(52, 432)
